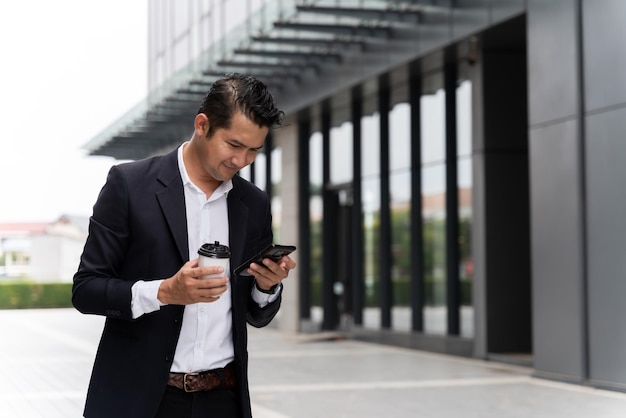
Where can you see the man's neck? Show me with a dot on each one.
(195, 172)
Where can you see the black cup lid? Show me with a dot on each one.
(214, 250)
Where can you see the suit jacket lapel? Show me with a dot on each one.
(172, 201)
(237, 221)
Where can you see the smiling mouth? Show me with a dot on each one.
(231, 167)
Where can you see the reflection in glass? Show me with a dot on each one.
(464, 169)
(371, 217)
(400, 202)
(370, 157)
(434, 211)
(245, 172)
(316, 211)
(277, 208)
(259, 171)
(341, 153)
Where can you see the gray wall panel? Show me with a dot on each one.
(605, 53)
(469, 16)
(508, 271)
(556, 255)
(505, 9)
(552, 60)
(606, 205)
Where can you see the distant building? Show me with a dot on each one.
(42, 251)
(15, 247)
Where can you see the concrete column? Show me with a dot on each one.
(287, 139)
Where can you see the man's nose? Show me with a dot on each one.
(243, 158)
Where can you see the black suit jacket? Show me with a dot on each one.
(138, 231)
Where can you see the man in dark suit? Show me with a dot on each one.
(174, 344)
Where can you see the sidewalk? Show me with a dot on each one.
(46, 358)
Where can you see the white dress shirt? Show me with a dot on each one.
(205, 340)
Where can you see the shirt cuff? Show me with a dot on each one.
(264, 299)
(144, 297)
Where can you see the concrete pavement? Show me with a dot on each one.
(46, 357)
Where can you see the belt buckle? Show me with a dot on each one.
(185, 382)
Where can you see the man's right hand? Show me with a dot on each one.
(187, 286)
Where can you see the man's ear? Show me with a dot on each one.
(201, 125)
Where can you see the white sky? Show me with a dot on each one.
(68, 69)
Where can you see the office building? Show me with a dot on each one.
(450, 170)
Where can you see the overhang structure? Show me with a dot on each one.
(303, 50)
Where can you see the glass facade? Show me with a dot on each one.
(316, 215)
(433, 168)
(465, 193)
(371, 201)
(360, 143)
(400, 203)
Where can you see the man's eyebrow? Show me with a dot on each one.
(240, 144)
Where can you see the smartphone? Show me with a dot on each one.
(273, 251)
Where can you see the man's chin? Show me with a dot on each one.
(229, 173)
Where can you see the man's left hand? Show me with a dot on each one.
(271, 273)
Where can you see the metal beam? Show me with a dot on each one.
(307, 55)
(357, 44)
(352, 30)
(397, 15)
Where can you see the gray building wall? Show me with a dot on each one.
(577, 97)
(556, 178)
(604, 69)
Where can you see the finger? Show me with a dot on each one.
(216, 271)
(272, 273)
(210, 299)
(262, 270)
(287, 263)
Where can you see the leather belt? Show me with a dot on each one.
(223, 378)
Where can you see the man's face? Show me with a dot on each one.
(229, 150)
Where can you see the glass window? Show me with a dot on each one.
(277, 173)
(235, 13)
(206, 5)
(464, 171)
(370, 183)
(259, 170)
(206, 34)
(370, 138)
(181, 53)
(316, 214)
(181, 17)
(341, 153)
(195, 38)
(371, 251)
(434, 203)
(400, 187)
(400, 137)
(245, 173)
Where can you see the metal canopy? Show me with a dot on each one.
(296, 53)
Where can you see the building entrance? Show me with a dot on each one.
(505, 291)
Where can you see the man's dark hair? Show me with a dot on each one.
(244, 93)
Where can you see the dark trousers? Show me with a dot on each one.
(218, 403)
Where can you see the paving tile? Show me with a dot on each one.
(46, 358)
